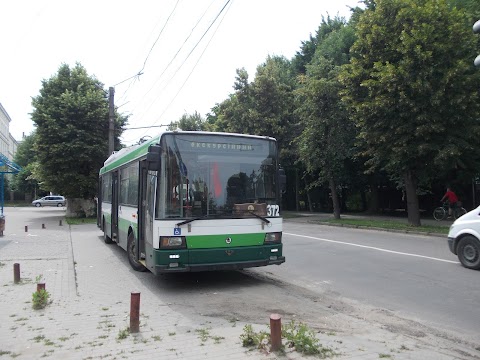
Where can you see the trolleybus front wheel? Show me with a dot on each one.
(131, 251)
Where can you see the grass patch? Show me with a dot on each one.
(291, 215)
(17, 204)
(40, 299)
(123, 334)
(298, 337)
(388, 225)
(80, 221)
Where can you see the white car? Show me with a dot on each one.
(464, 239)
(52, 200)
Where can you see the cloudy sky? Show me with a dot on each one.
(187, 50)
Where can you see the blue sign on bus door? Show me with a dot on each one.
(177, 231)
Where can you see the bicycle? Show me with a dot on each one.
(441, 212)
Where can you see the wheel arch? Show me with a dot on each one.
(462, 235)
(131, 231)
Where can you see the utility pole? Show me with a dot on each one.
(111, 120)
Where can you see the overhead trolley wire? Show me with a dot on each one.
(137, 75)
(178, 51)
(188, 77)
(196, 45)
(158, 37)
(181, 65)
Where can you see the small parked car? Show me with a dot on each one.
(464, 239)
(52, 200)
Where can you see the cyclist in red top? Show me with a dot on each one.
(452, 200)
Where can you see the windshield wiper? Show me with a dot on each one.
(189, 221)
(199, 218)
(260, 217)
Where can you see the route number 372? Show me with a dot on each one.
(273, 210)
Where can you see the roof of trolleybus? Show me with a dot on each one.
(134, 152)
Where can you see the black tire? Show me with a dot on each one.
(38, 205)
(468, 252)
(59, 204)
(131, 246)
(439, 213)
(106, 239)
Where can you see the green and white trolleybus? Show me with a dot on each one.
(194, 201)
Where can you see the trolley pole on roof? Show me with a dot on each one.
(111, 120)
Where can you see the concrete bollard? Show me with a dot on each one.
(40, 286)
(276, 331)
(16, 273)
(135, 312)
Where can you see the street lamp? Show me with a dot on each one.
(476, 30)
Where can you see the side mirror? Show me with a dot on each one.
(153, 157)
(282, 178)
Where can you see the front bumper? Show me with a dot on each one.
(451, 245)
(159, 269)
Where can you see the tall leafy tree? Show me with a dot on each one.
(71, 118)
(308, 48)
(326, 143)
(25, 156)
(236, 113)
(413, 91)
(262, 107)
(273, 112)
(193, 122)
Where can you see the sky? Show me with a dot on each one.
(187, 51)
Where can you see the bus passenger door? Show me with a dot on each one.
(147, 183)
(151, 182)
(142, 184)
(99, 199)
(115, 206)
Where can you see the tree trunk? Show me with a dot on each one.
(412, 199)
(364, 200)
(297, 191)
(309, 200)
(373, 204)
(335, 200)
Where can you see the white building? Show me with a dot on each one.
(8, 145)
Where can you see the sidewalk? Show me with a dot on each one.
(89, 313)
(88, 318)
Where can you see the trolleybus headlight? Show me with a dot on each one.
(172, 242)
(274, 237)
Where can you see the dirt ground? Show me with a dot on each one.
(351, 328)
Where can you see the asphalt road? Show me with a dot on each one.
(413, 276)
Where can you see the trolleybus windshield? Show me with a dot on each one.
(215, 176)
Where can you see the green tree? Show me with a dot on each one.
(194, 122)
(25, 156)
(309, 47)
(326, 143)
(71, 118)
(413, 91)
(263, 107)
(236, 113)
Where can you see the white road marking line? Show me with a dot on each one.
(373, 248)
